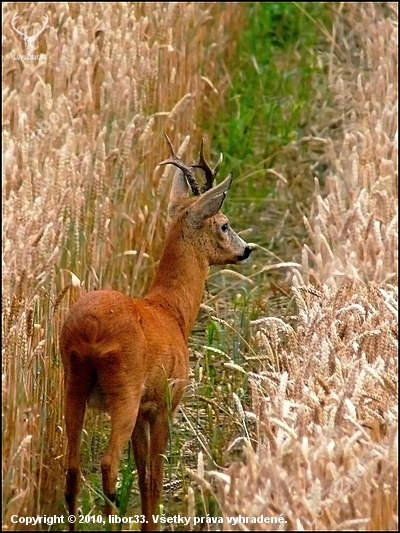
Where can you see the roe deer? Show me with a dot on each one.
(120, 353)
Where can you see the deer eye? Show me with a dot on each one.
(225, 227)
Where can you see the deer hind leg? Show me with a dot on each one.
(158, 444)
(141, 450)
(159, 432)
(77, 387)
(123, 399)
(123, 419)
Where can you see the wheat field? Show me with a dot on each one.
(324, 406)
(302, 425)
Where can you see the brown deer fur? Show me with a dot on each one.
(123, 354)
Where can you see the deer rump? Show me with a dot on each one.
(107, 332)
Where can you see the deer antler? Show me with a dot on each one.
(43, 27)
(208, 171)
(24, 35)
(187, 170)
(17, 29)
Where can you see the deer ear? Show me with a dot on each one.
(209, 203)
(179, 192)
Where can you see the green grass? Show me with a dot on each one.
(274, 76)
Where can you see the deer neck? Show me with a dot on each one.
(179, 282)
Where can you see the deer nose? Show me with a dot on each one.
(246, 253)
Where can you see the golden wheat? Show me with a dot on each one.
(324, 402)
(322, 451)
(354, 227)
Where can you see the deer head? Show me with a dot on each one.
(199, 217)
(29, 40)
